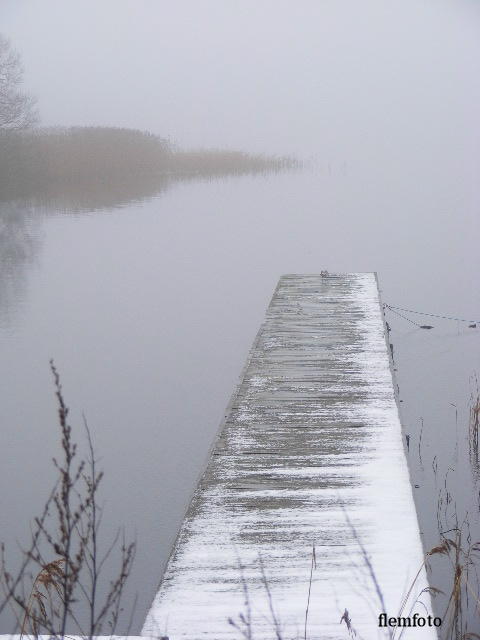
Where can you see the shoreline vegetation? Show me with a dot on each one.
(96, 167)
(68, 578)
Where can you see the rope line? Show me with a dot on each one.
(432, 315)
(404, 317)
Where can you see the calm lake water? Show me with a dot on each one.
(149, 310)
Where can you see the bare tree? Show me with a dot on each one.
(17, 109)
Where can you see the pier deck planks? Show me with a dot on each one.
(310, 452)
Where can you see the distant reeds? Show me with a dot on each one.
(218, 162)
(105, 165)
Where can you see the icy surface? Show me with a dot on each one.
(310, 452)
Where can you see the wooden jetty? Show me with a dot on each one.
(310, 454)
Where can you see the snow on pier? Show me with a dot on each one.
(310, 453)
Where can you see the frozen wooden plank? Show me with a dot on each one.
(310, 452)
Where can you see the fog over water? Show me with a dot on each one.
(149, 308)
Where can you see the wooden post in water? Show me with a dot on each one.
(310, 453)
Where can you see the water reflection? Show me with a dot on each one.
(150, 311)
(86, 169)
(20, 231)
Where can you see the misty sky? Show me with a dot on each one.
(344, 80)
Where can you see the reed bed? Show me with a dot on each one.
(474, 426)
(49, 165)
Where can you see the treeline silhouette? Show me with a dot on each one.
(97, 167)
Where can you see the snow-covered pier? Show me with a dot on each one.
(310, 454)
